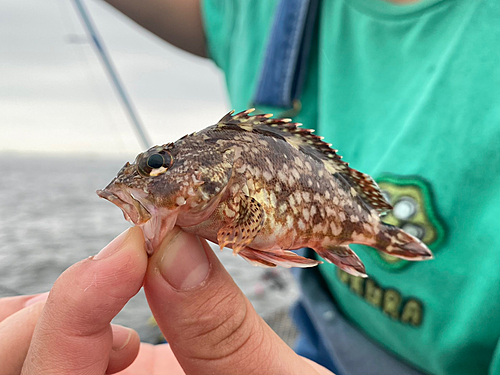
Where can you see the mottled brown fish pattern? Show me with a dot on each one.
(261, 186)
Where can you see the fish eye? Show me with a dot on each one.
(155, 161)
(154, 164)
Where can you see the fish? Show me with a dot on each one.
(262, 187)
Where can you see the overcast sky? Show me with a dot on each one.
(56, 97)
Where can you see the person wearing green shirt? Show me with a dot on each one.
(409, 92)
(411, 95)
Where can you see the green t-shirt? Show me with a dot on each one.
(411, 95)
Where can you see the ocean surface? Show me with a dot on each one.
(51, 218)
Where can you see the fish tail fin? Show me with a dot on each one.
(396, 242)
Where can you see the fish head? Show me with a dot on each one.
(174, 184)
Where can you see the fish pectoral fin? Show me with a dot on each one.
(344, 258)
(245, 225)
(282, 258)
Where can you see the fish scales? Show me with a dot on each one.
(262, 187)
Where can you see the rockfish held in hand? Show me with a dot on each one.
(262, 187)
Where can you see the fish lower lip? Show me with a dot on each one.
(106, 194)
(133, 210)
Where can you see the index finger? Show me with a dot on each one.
(73, 334)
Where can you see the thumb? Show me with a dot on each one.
(210, 325)
(73, 334)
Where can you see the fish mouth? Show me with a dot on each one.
(155, 223)
(133, 210)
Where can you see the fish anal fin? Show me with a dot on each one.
(244, 226)
(344, 258)
(283, 258)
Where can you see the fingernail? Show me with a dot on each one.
(183, 263)
(121, 336)
(38, 298)
(113, 246)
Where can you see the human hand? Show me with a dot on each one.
(211, 326)
(71, 332)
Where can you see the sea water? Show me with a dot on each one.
(51, 218)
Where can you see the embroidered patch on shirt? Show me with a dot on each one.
(407, 310)
(414, 211)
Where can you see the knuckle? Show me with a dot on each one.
(225, 327)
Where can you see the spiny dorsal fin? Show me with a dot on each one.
(312, 145)
(369, 190)
(243, 120)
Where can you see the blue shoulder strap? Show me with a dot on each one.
(285, 63)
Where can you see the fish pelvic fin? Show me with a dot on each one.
(283, 258)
